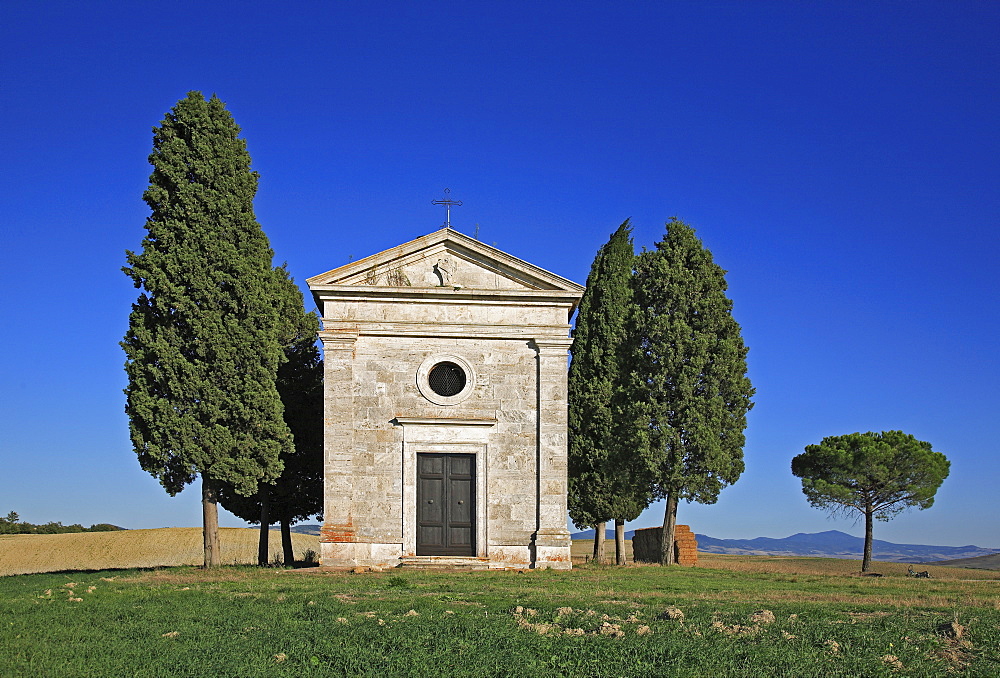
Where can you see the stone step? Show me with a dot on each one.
(449, 562)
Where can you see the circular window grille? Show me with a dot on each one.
(446, 379)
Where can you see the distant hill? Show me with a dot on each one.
(303, 529)
(830, 544)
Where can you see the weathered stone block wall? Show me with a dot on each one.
(385, 387)
(646, 545)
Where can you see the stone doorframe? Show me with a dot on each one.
(443, 436)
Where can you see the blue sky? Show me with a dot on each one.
(840, 159)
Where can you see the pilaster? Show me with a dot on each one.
(338, 533)
(552, 540)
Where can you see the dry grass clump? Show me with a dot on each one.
(29, 553)
(580, 623)
(673, 613)
(762, 617)
(758, 620)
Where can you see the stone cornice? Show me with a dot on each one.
(340, 330)
(338, 338)
(523, 297)
(552, 344)
(442, 421)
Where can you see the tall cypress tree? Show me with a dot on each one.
(298, 491)
(203, 344)
(603, 482)
(688, 365)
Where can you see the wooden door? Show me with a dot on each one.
(446, 491)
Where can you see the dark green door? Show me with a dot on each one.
(446, 490)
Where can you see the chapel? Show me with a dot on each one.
(445, 408)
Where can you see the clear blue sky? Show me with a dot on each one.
(840, 159)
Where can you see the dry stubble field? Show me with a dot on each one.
(163, 547)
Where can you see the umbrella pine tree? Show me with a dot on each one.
(877, 475)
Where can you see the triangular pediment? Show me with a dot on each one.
(445, 259)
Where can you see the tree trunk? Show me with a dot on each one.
(210, 523)
(599, 535)
(667, 536)
(620, 542)
(286, 542)
(265, 524)
(866, 562)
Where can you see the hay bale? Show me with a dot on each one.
(646, 545)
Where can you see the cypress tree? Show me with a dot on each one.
(603, 484)
(298, 491)
(203, 344)
(689, 375)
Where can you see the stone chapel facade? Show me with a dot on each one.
(445, 415)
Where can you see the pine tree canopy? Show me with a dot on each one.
(205, 335)
(688, 367)
(876, 474)
(884, 473)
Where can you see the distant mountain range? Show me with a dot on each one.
(829, 544)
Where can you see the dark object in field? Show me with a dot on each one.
(952, 630)
(870, 574)
(919, 575)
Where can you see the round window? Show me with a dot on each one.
(446, 379)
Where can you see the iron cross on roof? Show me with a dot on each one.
(447, 202)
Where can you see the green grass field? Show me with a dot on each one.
(591, 621)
